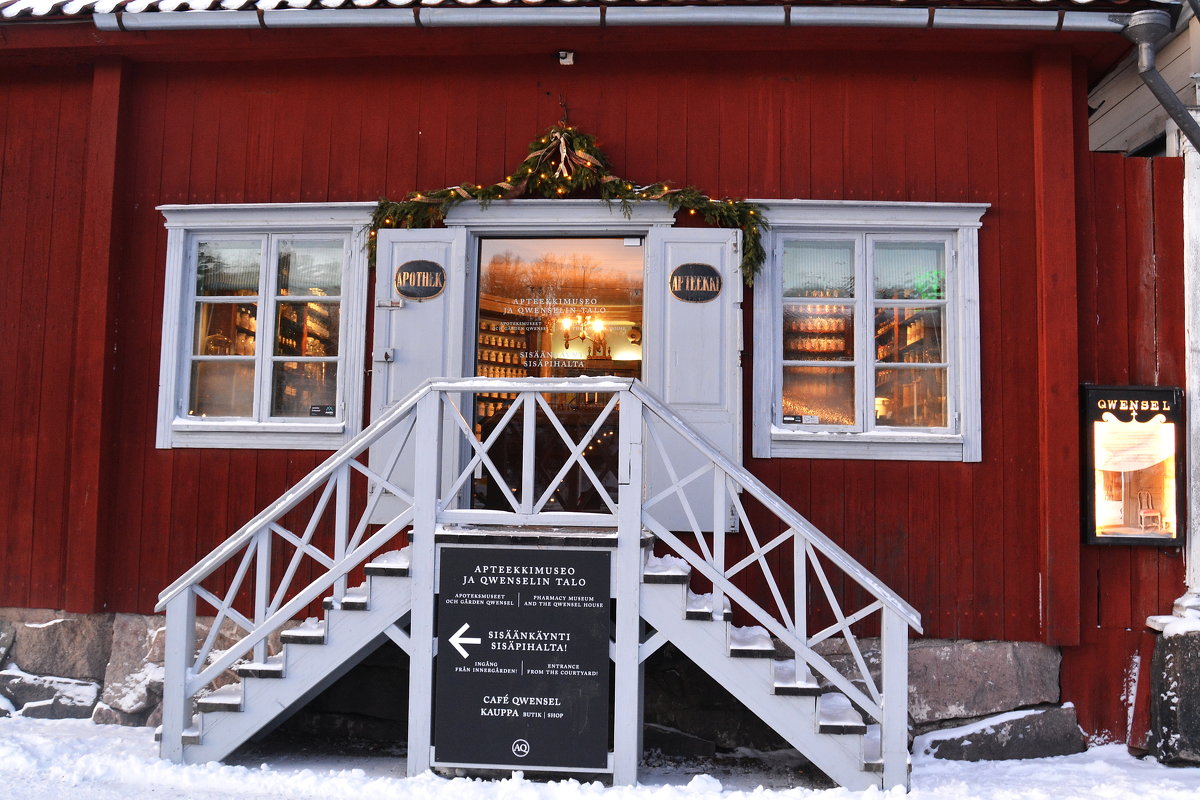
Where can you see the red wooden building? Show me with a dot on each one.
(954, 146)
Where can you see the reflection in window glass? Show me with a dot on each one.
(308, 266)
(909, 335)
(228, 267)
(818, 332)
(911, 398)
(303, 389)
(223, 388)
(818, 395)
(818, 269)
(910, 270)
(307, 329)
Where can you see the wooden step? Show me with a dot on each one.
(699, 607)
(751, 642)
(793, 678)
(393, 564)
(836, 715)
(353, 600)
(271, 668)
(190, 735)
(309, 632)
(227, 698)
(666, 570)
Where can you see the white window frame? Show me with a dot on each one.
(955, 223)
(186, 224)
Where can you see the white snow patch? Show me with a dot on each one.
(750, 638)
(46, 624)
(69, 690)
(131, 690)
(53, 759)
(1178, 626)
(665, 565)
(232, 691)
(310, 624)
(923, 743)
(6, 705)
(788, 672)
(835, 709)
(703, 603)
(398, 558)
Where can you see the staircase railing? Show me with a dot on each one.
(479, 434)
(766, 524)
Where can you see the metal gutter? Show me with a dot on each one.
(692, 16)
(1147, 29)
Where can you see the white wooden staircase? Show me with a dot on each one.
(313, 656)
(778, 689)
(850, 724)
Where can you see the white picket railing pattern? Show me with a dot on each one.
(264, 583)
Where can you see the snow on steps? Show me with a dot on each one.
(794, 678)
(311, 631)
(231, 715)
(818, 725)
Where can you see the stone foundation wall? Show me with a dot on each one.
(108, 667)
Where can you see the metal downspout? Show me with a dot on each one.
(1146, 29)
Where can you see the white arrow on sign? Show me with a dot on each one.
(458, 640)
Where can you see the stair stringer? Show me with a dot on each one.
(307, 669)
(751, 681)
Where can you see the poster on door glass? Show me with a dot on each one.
(1133, 483)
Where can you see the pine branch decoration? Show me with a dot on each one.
(565, 161)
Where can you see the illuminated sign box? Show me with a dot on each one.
(1132, 465)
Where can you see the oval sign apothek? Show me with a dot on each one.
(696, 283)
(420, 279)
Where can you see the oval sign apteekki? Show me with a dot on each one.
(420, 279)
(696, 283)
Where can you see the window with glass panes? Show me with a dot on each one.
(864, 340)
(264, 311)
(266, 327)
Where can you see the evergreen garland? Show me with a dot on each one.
(565, 161)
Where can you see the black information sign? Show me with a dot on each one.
(420, 279)
(522, 665)
(1132, 466)
(696, 283)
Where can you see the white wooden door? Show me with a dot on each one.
(414, 339)
(693, 354)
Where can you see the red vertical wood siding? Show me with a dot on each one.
(981, 550)
(43, 124)
(1131, 332)
(952, 538)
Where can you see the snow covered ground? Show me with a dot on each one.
(77, 760)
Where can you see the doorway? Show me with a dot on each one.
(556, 308)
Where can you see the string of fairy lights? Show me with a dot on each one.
(563, 162)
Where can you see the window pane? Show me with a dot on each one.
(304, 390)
(818, 395)
(307, 329)
(911, 398)
(222, 389)
(227, 268)
(818, 332)
(910, 270)
(910, 335)
(308, 266)
(818, 269)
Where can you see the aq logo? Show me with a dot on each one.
(520, 748)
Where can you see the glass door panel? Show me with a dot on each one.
(556, 308)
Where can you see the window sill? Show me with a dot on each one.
(257, 436)
(786, 443)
